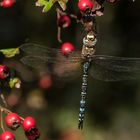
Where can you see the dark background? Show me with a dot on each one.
(112, 108)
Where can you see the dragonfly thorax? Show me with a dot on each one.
(89, 42)
(87, 52)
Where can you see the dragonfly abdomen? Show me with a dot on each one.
(83, 94)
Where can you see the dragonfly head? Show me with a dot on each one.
(90, 40)
(91, 37)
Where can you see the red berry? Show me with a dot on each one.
(45, 82)
(4, 71)
(64, 21)
(67, 48)
(32, 134)
(29, 123)
(84, 4)
(7, 3)
(13, 121)
(29, 126)
(7, 136)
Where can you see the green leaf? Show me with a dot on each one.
(62, 4)
(41, 3)
(47, 4)
(14, 83)
(10, 52)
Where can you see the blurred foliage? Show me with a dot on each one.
(10, 52)
(47, 4)
(112, 108)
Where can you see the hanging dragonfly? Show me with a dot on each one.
(102, 67)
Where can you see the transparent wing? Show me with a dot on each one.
(106, 68)
(111, 68)
(40, 57)
(47, 54)
(37, 50)
(33, 61)
(62, 68)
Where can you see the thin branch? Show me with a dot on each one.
(3, 99)
(59, 34)
(6, 111)
(64, 13)
(1, 120)
(58, 28)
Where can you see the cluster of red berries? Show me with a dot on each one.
(8, 78)
(7, 3)
(13, 121)
(64, 21)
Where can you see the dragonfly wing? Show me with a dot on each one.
(67, 71)
(47, 53)
(37, 50)
(38, 56)
(58, 67)
(36, 63)
(111, 68)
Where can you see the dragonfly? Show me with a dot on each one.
(100, 67)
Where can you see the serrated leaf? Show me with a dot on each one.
(47, 4)
(41, 3)
(10, 52)
(62, 4)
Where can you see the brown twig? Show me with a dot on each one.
(59, 34)
(6, 111)
(3, 99)
(58, 28)
(64, 13)
(1, 120)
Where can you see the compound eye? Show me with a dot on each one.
(88, 11)
(91, 37)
